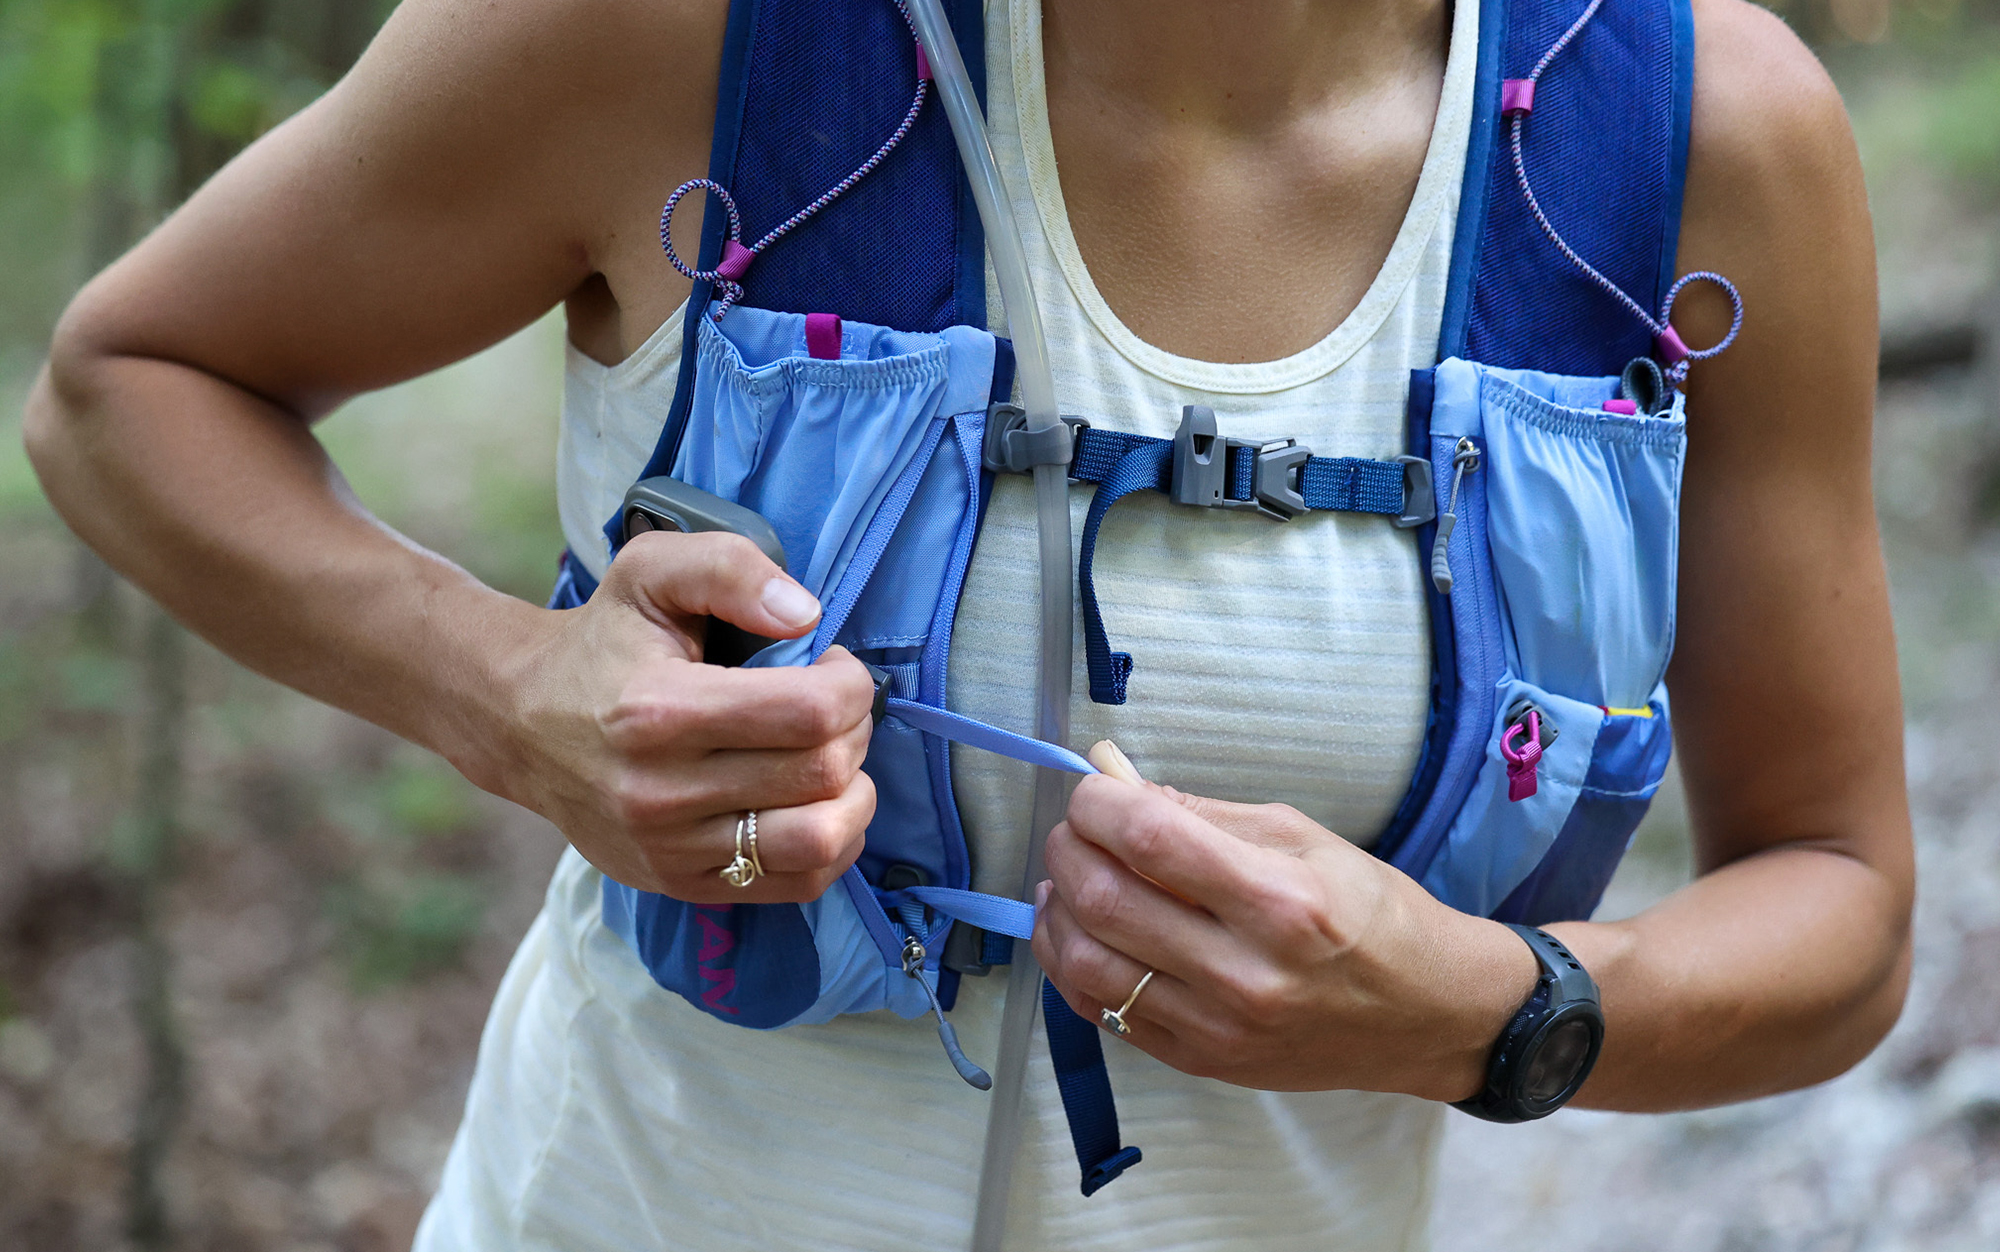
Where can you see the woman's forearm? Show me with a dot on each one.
(1773, 972)
(226, 509)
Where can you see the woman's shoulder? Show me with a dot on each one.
(1774, 198)
(585, 64)
(1768, 120)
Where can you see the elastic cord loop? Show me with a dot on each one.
(732, 291)
(1670, 339)
(1517, 102)
(728, 274)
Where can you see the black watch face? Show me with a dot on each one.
(1558, 1062)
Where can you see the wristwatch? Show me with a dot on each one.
(1545, 1053)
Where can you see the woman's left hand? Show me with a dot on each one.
(1284, 957)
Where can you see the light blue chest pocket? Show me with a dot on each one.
(817, 446)
(867, 466)
(1580, 540)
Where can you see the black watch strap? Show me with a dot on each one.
(1547, 1050)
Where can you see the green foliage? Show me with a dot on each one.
(411, 800)
(90, 681)
(20, 492)
(19, 707)
(112, 111)
(230, 101)
(1963, 130)
(399, 929)
(423, 797)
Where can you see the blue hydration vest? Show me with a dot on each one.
(870, 440)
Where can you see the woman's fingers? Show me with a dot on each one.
(1166, 842)
(803, 849)
(1092, 977)
(1125, 911)
(1108, 757)
(749, 778)
(684, 707)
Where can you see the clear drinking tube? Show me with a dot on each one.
(1038, 397)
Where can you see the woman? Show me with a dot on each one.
(479, 166)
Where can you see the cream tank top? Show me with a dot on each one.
(1272, 663)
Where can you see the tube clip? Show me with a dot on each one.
(1009, 447)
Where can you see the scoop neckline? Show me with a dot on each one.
(1436, 193)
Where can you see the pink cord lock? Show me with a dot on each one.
(1521, 780)
(923, 65)
(735, 261)
(1672, 349)
(1517, 95)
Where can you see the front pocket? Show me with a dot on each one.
(816, 445)
(1627, 763)
(1583, 520)
(1496, 841)
(867, 468)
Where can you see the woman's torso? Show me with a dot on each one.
(1282, 662)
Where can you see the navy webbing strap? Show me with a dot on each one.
(1343, 484)
(1143, 466)
(1078, 1054)
(1121, 464)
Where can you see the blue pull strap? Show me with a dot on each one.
(994, 914)
(1078, 1054)
(961, 729)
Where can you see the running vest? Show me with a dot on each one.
(837, 378)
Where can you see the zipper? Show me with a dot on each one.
(914, 956)
(1464, 460)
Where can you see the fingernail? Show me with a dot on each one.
(1107, 756)
(1042, 890)
(790, 603)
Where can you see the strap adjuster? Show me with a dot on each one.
(1419, 493)
(1009, 447)
(1201, 468)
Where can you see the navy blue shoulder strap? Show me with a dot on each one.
(808, 89)
(1607, 148)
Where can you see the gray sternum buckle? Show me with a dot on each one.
(1201, 468)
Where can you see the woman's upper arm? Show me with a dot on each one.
(475, 167)
(1784, 678)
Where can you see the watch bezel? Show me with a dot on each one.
(1523, 1060)
(1564, 993)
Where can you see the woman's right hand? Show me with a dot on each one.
(645, 757)
(469, 175)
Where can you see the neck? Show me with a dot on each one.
(1238, 64)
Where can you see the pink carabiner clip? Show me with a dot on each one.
(1521, 780)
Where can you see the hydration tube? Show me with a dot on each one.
(1038, 397)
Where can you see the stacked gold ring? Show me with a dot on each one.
(747, 867)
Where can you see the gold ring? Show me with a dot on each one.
(1116, 1020)
(746, 868)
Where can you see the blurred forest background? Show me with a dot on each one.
(246, 943)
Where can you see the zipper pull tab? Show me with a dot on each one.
(913, 965)
(1440, 563)
(1464, 460)
(1522, 761)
